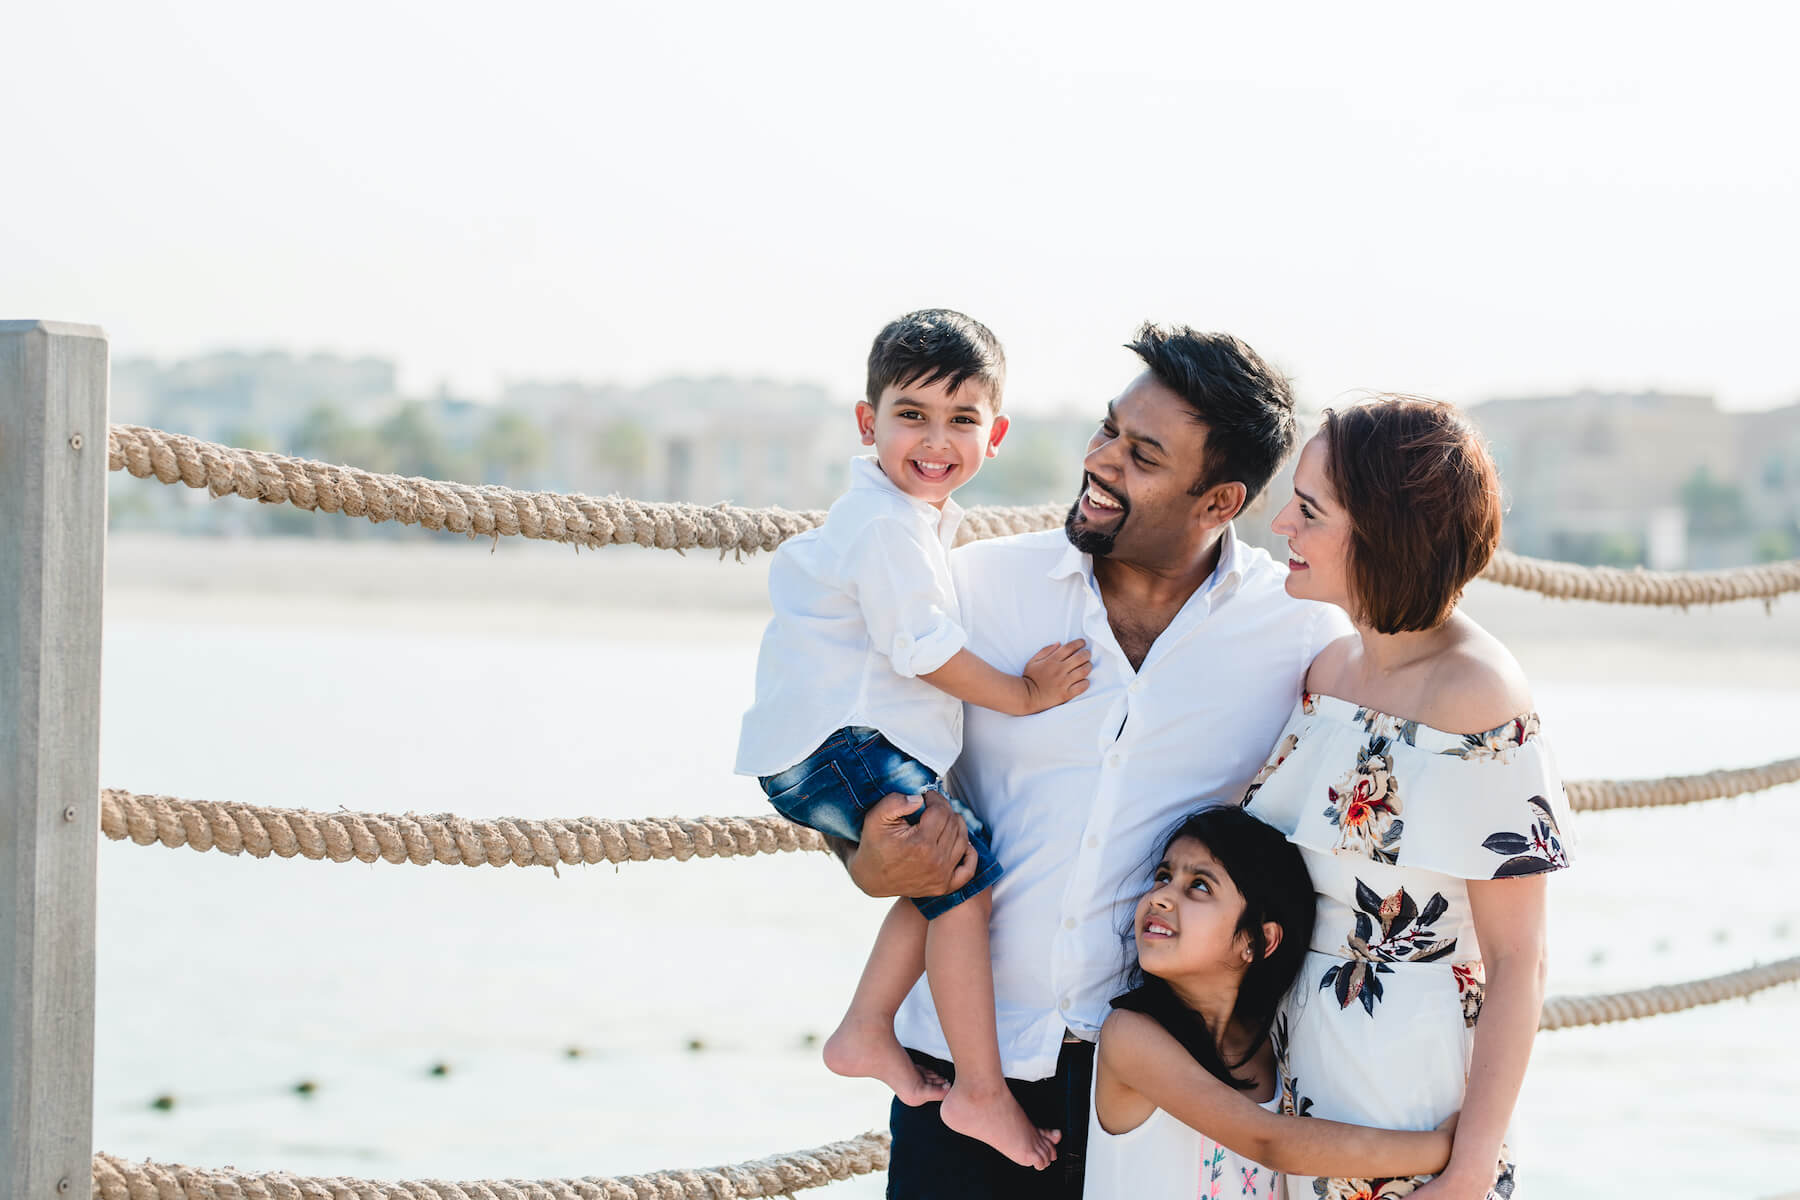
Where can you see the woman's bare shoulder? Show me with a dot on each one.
(1326, 674)
(1475, 684)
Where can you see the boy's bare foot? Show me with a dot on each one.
(866, 1048)
(991, 1115)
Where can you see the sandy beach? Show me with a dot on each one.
(516, 585)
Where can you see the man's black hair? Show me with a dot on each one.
(1245, 403)
(936, 344)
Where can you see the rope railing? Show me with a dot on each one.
(118, 1179)
(1606, 795)
(1607, 1008)
(424, 838)
(491, 511)
(779, 1175)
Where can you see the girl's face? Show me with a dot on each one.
(1317, 530)
(1187, 923)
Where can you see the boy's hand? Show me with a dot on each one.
(894, 858)
(1056, 674)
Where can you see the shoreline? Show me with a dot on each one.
(514, 586)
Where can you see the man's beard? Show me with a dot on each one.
(1089, 541)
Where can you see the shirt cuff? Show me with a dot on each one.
(912, 656)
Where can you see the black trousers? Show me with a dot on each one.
(930, 1161)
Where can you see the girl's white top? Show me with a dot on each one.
(863, 604)
(1162, 1159)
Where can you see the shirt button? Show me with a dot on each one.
(1093, 842)
(1067, 1004)
(1068, 922)
(1137, 685)
(1112, 760)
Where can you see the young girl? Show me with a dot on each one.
(1186, 1098)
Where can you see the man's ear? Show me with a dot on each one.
(1223, 502)
(996, 433)
(865, 421)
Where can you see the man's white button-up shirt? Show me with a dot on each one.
(1078, 797)
(863, 604)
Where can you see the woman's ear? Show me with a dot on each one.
(1271, 937)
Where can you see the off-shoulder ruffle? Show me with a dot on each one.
(1347, 780)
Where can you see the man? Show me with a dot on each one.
(1198, 657)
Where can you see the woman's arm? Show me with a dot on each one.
(1055, 674)
(1509, 924)
(1143, 1055)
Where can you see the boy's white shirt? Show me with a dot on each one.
(863, 604)
(1076, 798)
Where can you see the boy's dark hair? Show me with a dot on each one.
(1245, 404)
(1420, 488)
(1269, 873)
(932, 344)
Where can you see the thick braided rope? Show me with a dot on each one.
(1568, 1012)
(1602, 795)
(780, 1175)
(489, 510)
(614, 520)
(421, 838)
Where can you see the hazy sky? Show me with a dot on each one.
(1431, 198)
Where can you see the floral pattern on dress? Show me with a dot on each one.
(1287, 747)
(1498, 742)
(1471, 987)
(1365, 806)
(1380, 724)
(1366, 1189)
(1391, 929)
(1531, 853)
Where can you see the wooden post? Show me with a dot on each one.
(53, 381)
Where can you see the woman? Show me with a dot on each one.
(1425, 801)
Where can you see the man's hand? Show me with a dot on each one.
(895, 858)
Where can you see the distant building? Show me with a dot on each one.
(747, 442)
(239, 394)
(1599, 476)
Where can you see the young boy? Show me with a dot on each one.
(859, 690)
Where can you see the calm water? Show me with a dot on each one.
(224, 982)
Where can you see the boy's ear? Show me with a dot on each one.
(865, 421)
(1271, 937)
(996, 433)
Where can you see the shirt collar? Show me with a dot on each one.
(866, 472)
(1227, 574)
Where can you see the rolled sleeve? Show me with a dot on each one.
(904, 603)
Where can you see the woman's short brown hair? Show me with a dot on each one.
(1423, 498)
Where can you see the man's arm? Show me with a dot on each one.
(897, 858)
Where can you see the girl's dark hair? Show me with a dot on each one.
(1271, 876)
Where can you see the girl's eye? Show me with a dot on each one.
(1160, 877)
(1306, 512)
(1200, 885)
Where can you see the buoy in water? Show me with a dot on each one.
(572, 1052)
(163, 1103)
(440, 1069)
(305, 1087)
(695, 1045)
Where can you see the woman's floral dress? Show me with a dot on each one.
(1393, 817)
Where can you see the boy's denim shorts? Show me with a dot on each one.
(837, 784)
